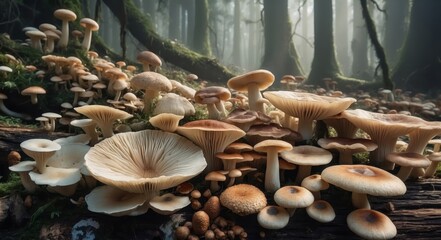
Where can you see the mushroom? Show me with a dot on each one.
(40, 150)
(76, 91)
(434, 158)
(215, 177)
(89, 127)
(272, 148)
(305, 157)
(307, 107)
(36, 37)
(407, 161)
(233, 174)
(51, 37)
(273, 217)
(321, 211)
(371, 224)
(315, 184)
(200, 222)
(260, 132)
(362, 180)
(212, 136)
(343, 127)
(175, 104)
(90, 25)
(66, 16)
(346, 147)
(168, 203)
(116, 202)
(152, 83)
(23, 169)
(213, 97)
(212, 207)
(61, 180)
(9, 112)
(149, 61)
(243, 199)
(51, 116)
(293, 197)
(70, 155)
(168, 122)
(144, 162)
(252, 82)
(104, 116)
(33, 91)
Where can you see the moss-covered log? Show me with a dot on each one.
(139, 25)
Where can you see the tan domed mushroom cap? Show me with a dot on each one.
(52, 119)
(252, 82)
(229, 160)
(213, 97)
(272, 149)
(61, 180)
(384, 129)
(33, 91)
(145, 161)
(315, 184)
(66, 16)
(215, 177)
(40, 150)
(407, 161)
(305, 157)
(273, 217)
(152, 83)
(175, 104)
(238, 147)
(292, 197)
(167, 122)
(212, 136)
(436, 142)
(104, 116)
(36, 36)
(321, 211)
(23, 168)
(90, 25)
(149, 60)
(347, 146)
(362, 180)
(116, 202)
(168, 203)
(371, 224)
(243, 199)
(307, 107)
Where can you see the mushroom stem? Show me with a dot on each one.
(149, 96)
(253, 96)
(291, 211)
(272, 179)
(317, 195)
(34, 99)
(404, 173)
(304, 171)
(222, 111)
(11, 113)
(64, 39)
(87, 39)
(27, 183)
(359, 200)
(305, 128)
(345, 157)
(52, 125)
(430, 171)
(378, 156)
(107, 131)
(213, 112)
(214, 186)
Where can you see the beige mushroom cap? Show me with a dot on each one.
(371, 224)
(90, 24)
(40, 150)
(263, 78)
(293, 197)
(33, 91)
(116, 202)
(54, 176)
(168, 203)
(314, 183)
(65, 14)
(408, 159)
(148, 58)
(151, 80)
(71, 155)
(273, 217)
(243, 199)
(168, 122)
(307, 155)
(175, 104)
(145, 161)
(321, 211)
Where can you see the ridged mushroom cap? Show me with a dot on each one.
(243, 199)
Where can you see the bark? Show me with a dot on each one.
(201, 39)
(359, 45)
(280, 53)
(237, 38)
(140, 28)
(387, 83)
(342, 35)
(174, 31)
(397, 12)
(419, 67)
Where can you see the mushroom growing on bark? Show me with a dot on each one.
(371, 224)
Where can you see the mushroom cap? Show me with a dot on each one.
(39, 145)
(101, 114)
(151, 80)
(56, 176)
(89, 24)
(314, 183)
(33, 90)
(65, 14)
(371, 224)
(166, 121)
(149, 58)
(273, 217)
(215, 176)
(408, 159)
(293, 197)
(35, 34)
(5, 69)
(260, 132)
(51, 115)
(212, 94)
(71, 155)
(175, 104)
(114, 201)
(435, 157)
(243, 199)
(321, 211)
(307, 105)
(307, 155)
(263, 78)
(348, 144)
(145, 161)
(364, 179)
(168, 203)
(24, 166)
(268, 145)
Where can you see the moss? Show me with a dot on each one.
(13, 184)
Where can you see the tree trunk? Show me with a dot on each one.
(396, 28)
(377, 46)
(174, 30)
(324, 63)
(342, 35)
(419, 67)
(359, 45)
(141, 29)
(280, 54)
(201, 39)
(237, 37)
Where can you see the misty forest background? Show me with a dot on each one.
(390, 43)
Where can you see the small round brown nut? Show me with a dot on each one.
(212, 207)
(237, 230)
(207, 193)
(196, 204)
(196, 194)
(14, 157)
(201, 222)
(219, 233)
(209, 235)
(182, 233)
